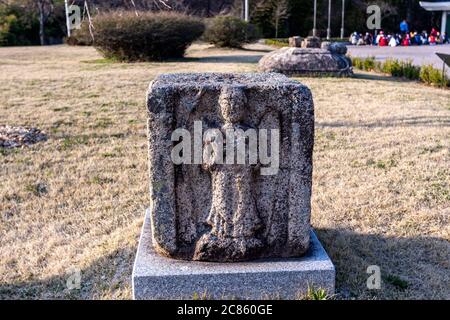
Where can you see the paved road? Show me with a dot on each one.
(419, 54)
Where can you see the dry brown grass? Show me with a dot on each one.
(381, 175)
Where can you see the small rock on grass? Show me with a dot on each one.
(16, 136)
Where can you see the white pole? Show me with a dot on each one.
(314, 21)
(443, 22)
(342, 26)
(329, 20)
(67, 17)
(246, 11)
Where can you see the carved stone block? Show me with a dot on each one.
(211, 210)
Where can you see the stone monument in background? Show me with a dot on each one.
(308, 57)
(230, 162)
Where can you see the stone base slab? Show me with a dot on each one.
(158, 277)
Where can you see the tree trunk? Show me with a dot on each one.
(208, 8)
(276, 27)
(41, 22)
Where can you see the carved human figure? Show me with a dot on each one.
(233, 216)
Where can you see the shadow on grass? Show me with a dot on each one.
(106, 274)
(378, 77)
(411, 267)
(223, 59)
(209, 59)
(389, 122)
(258, 50)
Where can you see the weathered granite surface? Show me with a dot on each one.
(230, 212)
(328, 60)
(158, 277)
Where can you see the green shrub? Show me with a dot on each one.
(427, 73)
(369, 64)
(410, 71)
(396, 69)
(378, 66)
(436, 77)
(5, 25)
(392, 67)
(18, 27)
(148, 36)
(431, 75)
(229, 31)
(386, 66)
(277, 42)
(357, 63)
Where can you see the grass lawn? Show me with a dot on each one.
(381, 193)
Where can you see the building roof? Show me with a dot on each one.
(435, 6)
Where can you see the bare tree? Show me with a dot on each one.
(280, 12)
(45, 8)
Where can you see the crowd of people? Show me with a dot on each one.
(403, 38)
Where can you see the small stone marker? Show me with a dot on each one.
(230, 158)
(311, 42)
(295, 42)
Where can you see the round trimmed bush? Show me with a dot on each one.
(229, 31)
(147, 36)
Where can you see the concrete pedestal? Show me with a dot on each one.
(158, 277)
